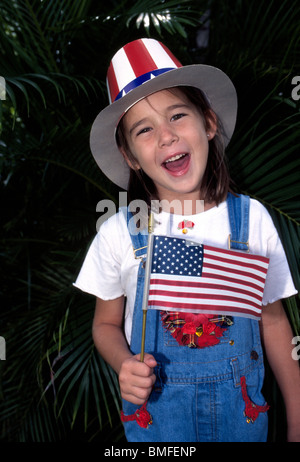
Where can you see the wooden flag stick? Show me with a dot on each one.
(147, 280)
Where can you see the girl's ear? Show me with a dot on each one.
(132, 162)
(211, 124)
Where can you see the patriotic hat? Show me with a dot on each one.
(139, 69)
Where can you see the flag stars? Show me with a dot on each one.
(173, 256)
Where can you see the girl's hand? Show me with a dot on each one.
(136, 378)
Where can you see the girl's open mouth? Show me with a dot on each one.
(177, 164)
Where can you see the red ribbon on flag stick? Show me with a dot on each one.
(147, 280)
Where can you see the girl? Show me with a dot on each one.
(163, 137)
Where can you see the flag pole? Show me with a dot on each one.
(147, 280)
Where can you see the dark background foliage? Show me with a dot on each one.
(54, 57)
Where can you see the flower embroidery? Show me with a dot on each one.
(195, 330)
(185, 225)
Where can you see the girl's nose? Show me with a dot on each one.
(167, 135)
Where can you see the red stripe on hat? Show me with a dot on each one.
(112, 83)
(178, 63)
(139, 58)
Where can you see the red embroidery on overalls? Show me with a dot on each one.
(141, 415)
(251, 410)
(195, 330)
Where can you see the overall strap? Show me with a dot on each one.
(238, 212)
(139, 239)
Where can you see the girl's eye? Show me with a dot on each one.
(178, 116)
(143, 130)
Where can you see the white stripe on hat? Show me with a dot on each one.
(122, 62)
(158, 54)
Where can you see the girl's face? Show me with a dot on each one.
(167, 136)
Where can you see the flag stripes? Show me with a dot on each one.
(205, 279)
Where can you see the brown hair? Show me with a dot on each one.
(216, 180)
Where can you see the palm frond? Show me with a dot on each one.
(38, 32)
(169, 15)
(262, 38)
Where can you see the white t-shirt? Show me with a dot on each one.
(110, 268)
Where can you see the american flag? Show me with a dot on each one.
(204, 279)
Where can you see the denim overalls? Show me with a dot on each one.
(201, 395)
